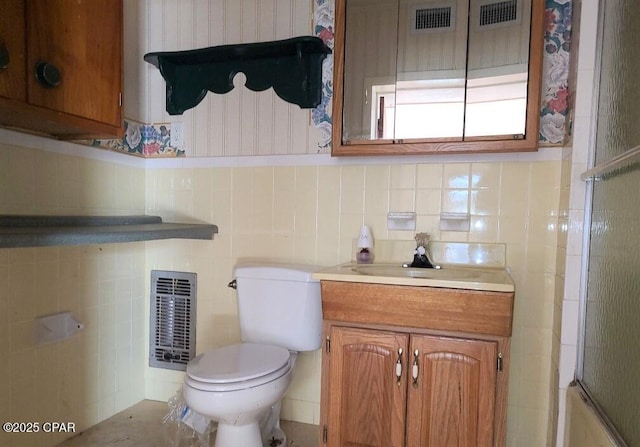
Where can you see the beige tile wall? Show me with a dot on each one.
(556, 401)
(289, 213)
(310, 214)
(583, 426)
(100, 370)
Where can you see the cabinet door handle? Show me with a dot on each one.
(48, 74)
(415, 370)
(4, 57)
(399, 367)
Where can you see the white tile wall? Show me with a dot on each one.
(578, 156)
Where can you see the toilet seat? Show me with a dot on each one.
(238, 366)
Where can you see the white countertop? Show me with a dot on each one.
(452, 277)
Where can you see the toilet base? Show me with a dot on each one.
(238, 435)
(277, 438)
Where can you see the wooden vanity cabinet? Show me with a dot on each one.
(390, 385)
(62, 70)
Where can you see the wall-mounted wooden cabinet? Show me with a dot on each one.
(61, 70)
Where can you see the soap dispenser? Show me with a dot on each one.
(365, 246)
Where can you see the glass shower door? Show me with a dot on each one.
(610, 372)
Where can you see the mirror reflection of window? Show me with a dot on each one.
(497, 67)
(495, 105)
(420, 109)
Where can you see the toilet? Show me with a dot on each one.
(280, 314)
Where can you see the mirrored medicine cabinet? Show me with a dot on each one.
(436, 76)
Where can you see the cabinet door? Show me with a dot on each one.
(83, 40)
(452, 402)
(12, 50)
(366, 401)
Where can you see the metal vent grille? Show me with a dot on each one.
(429, 19)
(173, 319)
(499, 13)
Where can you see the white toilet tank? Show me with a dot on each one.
(279, 304)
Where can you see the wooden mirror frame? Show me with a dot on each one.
(529, 143)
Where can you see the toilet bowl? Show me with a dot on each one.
(280, 314)
(235, 385)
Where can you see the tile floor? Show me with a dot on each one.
(141, 426)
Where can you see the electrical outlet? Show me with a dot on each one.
(177, 135)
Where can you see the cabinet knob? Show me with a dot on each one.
(48, 74)
(4, 57)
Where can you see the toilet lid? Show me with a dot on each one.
(237, 363)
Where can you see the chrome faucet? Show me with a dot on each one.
(421, 257)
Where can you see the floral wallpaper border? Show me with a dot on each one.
(144, 140)
(324, 19)
(555, 76)
(554, 126)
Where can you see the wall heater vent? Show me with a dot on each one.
(172, 341)
(503, 13)
(432, 19)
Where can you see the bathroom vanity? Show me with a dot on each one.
(415, 357)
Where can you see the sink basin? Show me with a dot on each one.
(471, 278)
(409, 272)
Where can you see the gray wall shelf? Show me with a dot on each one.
(42, 231)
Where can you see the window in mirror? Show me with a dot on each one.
(436, 109)
(496, 96)
(497, 68)
(424, 109)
